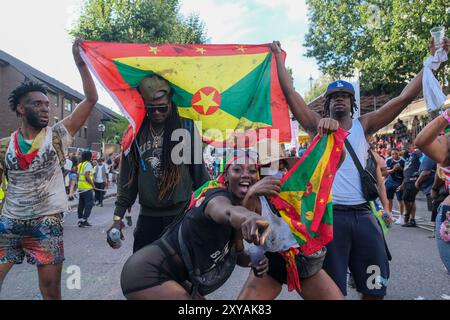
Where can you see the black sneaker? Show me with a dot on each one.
(129, 221)
(411, 224)
(81, 224)
(87, 224)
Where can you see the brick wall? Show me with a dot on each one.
(9, 80)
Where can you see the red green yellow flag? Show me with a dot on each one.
(305, 198)
(226, 87)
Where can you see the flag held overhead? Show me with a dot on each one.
(230, 88)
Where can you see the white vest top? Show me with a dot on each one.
(39, 190)
(347, 183)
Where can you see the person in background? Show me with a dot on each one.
(427, 172)
(73, 180)
(415, 127)
(68, 164)
(395, 165)
(100, 181)
(401, 133)
(410, 188)
(86, 189)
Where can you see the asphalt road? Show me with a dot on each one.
(416, 270)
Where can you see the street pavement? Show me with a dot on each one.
(416, 270)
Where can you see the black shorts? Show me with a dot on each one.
(149, 229)
(410, 191)
(151, 266)
(358, 245)
(306, 266)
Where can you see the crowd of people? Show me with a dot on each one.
(105, 172)
(190, 232)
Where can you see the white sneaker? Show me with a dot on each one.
(400, 220)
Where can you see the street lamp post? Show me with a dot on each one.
(310, 82)
(101, 128)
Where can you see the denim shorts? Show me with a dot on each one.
(307, 266)
(40, 240)
(391, 190)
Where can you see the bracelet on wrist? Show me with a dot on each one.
(445, 115)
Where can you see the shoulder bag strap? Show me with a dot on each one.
(354, 157)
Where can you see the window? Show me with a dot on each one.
(67, 105)
(85, 132)
(79, 133)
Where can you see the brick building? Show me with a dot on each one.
(63, 100)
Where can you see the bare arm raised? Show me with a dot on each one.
(307, 118)
(374, 121)
(76, 120)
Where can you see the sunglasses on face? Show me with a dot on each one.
(161, 108)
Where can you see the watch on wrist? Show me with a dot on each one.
(117, 218)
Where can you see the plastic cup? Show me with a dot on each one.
(438, 34)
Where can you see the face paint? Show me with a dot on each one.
(33, 118)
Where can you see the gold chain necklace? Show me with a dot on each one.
(157, 138)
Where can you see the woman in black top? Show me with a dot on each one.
(212, 231)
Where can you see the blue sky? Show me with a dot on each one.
(36, 33)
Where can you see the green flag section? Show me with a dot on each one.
(305, 198)
(231, 90)
(379, 215)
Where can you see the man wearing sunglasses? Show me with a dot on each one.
(164, 188)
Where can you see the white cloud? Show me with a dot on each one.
(225, 21)
(302, 67)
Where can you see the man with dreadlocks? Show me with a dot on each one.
(358, 241)
(31, 219)
(164, 188)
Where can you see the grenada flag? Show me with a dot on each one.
(226, 87)
(305, 198)
(304, 202)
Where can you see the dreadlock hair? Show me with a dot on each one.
(18, 93)
(326, 106)
(171, 173)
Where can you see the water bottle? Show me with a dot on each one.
(256, 254)
(114, 235)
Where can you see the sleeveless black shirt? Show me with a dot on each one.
(208, 242)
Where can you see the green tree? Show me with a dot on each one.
(115, 129)
(137, 21)
(385, 39)
(318, 88)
